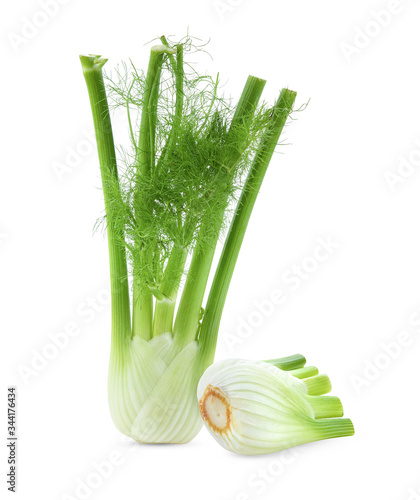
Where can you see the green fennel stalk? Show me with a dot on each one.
(192, 154)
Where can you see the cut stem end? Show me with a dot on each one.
(215, 410)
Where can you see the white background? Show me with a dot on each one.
(362, 120)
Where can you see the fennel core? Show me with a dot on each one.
(193, 153)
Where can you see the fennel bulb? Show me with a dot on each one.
(254, 407)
